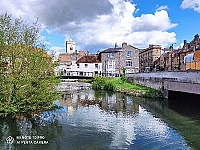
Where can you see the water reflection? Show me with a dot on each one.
(88, 119)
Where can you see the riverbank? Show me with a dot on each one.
(134, 90)
(116, 84)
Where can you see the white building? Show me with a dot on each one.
(85, 66)
(72, 63)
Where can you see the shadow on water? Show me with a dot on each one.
(185, 103)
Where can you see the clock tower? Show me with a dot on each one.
(70, 47)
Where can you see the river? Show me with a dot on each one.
(87, 119)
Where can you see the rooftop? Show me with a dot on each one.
(117, 49)
(88, 59)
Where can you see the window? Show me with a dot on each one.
(86, 65)
(78, 66)
(128, 54)
(129, 63)
(157, 52)
(71, 48)
(110, 54)
(110, 66)
(96, 66)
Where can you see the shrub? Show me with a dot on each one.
(99, 82)
(109, 86)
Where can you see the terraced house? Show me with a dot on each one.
(175, 59)
(148, 56)
(114, 59)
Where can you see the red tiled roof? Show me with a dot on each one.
(88, 59)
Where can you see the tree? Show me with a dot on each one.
(27, 80)
(123, 77)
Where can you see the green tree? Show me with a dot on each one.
(27, 80)
(123, 77)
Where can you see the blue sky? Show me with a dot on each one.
(97, 25)
(188, 20)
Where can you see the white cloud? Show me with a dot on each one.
(180, 46)
(97, 24)
(191, 4)
(153, 22)
(47, 43)
(48, 31)
(164, 7)
(137, 10)
(57, 49)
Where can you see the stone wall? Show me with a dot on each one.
(188, 82)
(70, 86)
(120, 57)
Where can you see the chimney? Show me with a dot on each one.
(116, 46)
(171, 48)
(150, 46)
(196, 37)
(185, 43)
(124, 44)
(194, 46)
(98, 52)
(88, 52)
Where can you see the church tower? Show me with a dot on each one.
(70, 47)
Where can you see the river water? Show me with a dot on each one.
(87, 120)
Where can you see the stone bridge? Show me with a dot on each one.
(186, 82)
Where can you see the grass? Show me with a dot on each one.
(85, 80)
(117, 82)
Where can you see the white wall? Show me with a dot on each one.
(71, 44)
(84, 69)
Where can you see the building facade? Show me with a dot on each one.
(148, 56)
(114, 59)
(174, 59)
(87, 66)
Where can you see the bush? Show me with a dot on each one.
(98, 82)
(109, 86)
